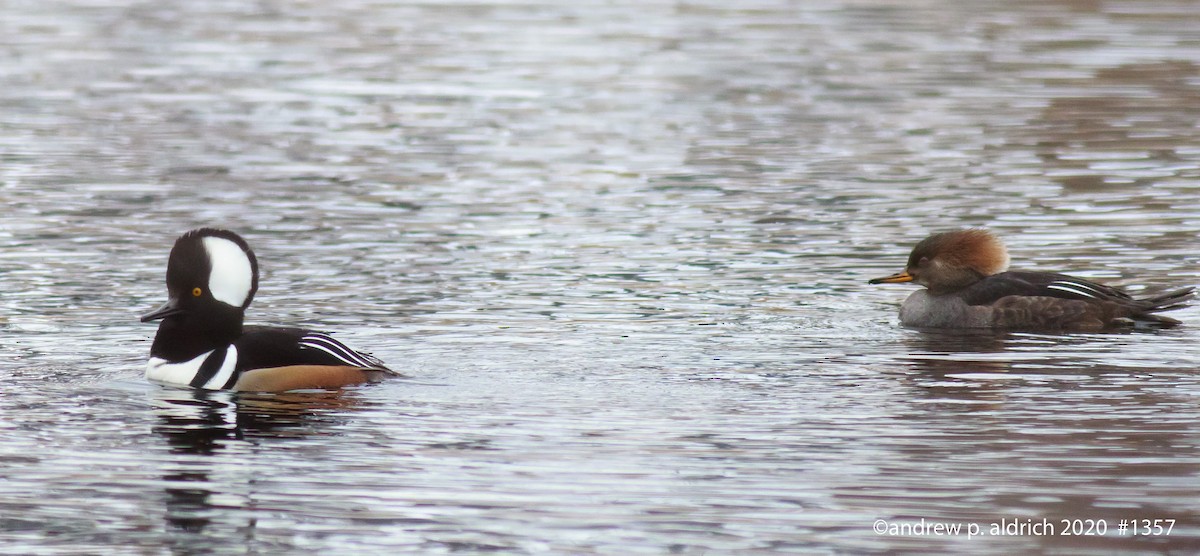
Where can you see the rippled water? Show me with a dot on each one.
(619, 249)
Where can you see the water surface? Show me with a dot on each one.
(619, 249)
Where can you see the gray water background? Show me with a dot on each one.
(619, 249)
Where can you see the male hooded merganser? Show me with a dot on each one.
(967, 287)
(211, 277)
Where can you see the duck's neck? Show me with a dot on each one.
(181, 338)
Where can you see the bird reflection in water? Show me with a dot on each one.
(204, 424)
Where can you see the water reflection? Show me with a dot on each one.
(1001, 409)
(925, 346)
(197, 421)
(193, 421)
(206, 423)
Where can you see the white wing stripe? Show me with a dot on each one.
(336, 349)
(330, 352)
(366, 362)
(1082, 285)
(1073, 288)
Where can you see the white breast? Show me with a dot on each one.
(183, 372)
(922, 309)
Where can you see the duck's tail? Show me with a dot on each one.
(1169, 301)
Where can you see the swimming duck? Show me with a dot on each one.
(212, 275)
(966, 286)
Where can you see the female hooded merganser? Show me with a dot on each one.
(211, 277)
(967, 287)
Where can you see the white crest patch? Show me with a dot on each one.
(231, 274)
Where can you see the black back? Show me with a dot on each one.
(1039, 284)
(261, 347)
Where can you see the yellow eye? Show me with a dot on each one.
(196, 292)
